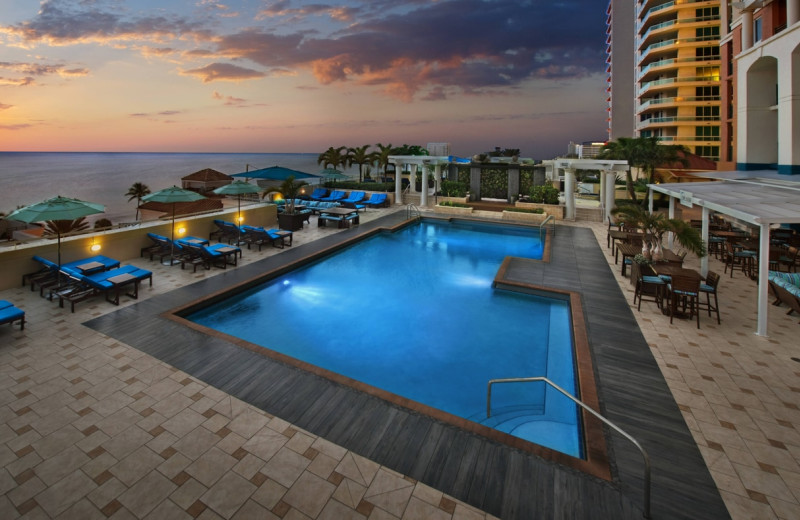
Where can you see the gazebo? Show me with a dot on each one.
(205, 180)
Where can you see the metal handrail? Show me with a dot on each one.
(412, 208)
(586, 407)
(544, 223)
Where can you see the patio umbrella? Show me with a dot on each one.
(237, 188)
(57, 208)
(171, 196)
(332, 174)
(274, 173)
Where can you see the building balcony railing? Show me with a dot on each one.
(689, 139)
(666, 5)
(660, 102)
(682, 80)
(678, 119)
(666, 44)
(673, 23)
(675, 61)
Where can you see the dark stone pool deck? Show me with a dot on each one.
(506, 482)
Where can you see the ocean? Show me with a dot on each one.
(104, 177)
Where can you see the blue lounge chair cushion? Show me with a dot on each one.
(704, 287)
(5, 303)
(10, 314)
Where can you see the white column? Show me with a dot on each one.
(747, 30)
(569, 193)
(611, 191)
(671, 235)
(603, 192)
(437, 173)
(792, 12)
(398, 185)
(650, 197)
(412, 179)
(704, 236)
(763, 280)
(423, 199)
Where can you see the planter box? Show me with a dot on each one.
(460, 200)
(450, 210)
(550, 209)
(290, 222)
(535, 218)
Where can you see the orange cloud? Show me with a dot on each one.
(223, 72)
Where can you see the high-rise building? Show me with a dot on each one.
(677, 73)
(620, 82)
(761, 85)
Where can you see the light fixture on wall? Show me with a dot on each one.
(95, 247)
(181, 230)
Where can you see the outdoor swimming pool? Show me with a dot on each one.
(414, 313)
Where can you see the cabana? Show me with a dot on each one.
(758, 198)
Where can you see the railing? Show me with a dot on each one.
(693, 99)
(583, 405)
(544, 223)
(412, 211)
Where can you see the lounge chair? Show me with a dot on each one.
(109, 283)
(160, 247)
(377, 200)
(318, 194)
(218, 255)
(335, 196)
(10, 313)
(92, 264)
(786, 289)
(355, 196)
(225, 232)
(260, 236)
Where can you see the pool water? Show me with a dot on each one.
(414, 313)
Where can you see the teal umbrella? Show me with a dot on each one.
(332, 174)
(274, 173)
(172, 196)
(237, 188)
(57, 208)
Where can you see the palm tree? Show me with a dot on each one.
(332, 157)
(137, 191)
(62, 227)
(360, 156)
(623, 149)
(289, 188)
(382, 156)
(634, 216)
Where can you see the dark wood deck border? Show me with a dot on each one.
(504, 481)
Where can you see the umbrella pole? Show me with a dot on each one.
(58, 274)
(172, 242)
(239, 221)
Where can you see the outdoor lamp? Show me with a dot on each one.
(95, 247)
(181, 230)
(240, 219)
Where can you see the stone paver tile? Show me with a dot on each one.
(420, 510)
(188, 493)
(328, 448)
(349, 493)
(168, 510)
(248, 423)
(464, 512)
(106, 492)
(136, 465)
(183, 422)
(309, 494)
(252, 509)
(249, 466)
(127, 442)
(57, 441)
(269, 494)
(300, 442)
(323, 465)
(265, 444)
(285, 467)
(60, 496)
(211, 466)
(379, 514)
(357, 468)
(196, 442)
(228, 494)
(147, 493)
(389, 492)
(82, 510)
(334, 510)
(57, 467)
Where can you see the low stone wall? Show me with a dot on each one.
(123, 244)
(534, 218)
(551, 209)
(451, 210)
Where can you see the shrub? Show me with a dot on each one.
(451, 204)
(102, 223)
(538, 211)
(544, 194)
(454, 189)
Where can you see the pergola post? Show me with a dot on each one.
(398, 184)
(704, 236)
(671, 235)
(763, 280)
(611, 189)
(437, 174)
(569, 193)
(423, 198)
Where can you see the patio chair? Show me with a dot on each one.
(684, 291)
(218, 255)
(335, 196)
(741, 259)
(260, 236)
(318, 194)
(786, 289)
(789, 260)
(10, 313)
(647, 286)
(376, 200)
(108, 283)
(709, 288)
(159, 247)
(355, 196)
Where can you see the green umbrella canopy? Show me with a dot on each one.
(274, 173)
(171, 196)
(237, 187)
(57, 208)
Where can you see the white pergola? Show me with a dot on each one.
(608, 173)
(417, 161)
(760, 199)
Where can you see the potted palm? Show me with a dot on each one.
(654, 225)
(290, 219)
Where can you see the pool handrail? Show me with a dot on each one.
(586, 407)
(412, 210)
(544, 223)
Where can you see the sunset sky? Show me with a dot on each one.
(298, 76)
